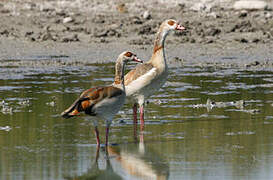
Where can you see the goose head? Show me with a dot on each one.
(171, 25)
(128, 56)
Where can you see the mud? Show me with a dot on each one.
(96, 31)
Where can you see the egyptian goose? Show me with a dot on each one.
(142, 81)
(103, 102)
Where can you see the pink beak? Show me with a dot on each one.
(179, 27)
(137, 60)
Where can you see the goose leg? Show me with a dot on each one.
(135, 120)
(107, 134)
(135, 113)
(97, 136)
(142, 117)
(97, 153)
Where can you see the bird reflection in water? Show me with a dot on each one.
(137, 161)
(95, 173)
(128, 161)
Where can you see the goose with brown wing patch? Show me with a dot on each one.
(103, 102)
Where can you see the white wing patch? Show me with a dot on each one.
(140, 82)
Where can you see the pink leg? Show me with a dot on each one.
(97, 136)
(106, 136)
(142, 117)
(135, 113)
(135, 120)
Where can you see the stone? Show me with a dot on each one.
(29, 6)
(201, 7)
(57, 28)
(146, 15)
(68, 20)
(250, 5)
(214, 15)
(243, 13)
(70, 38)
(268, 15)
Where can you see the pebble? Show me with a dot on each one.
(250, 5)
(146, 15)
(213, 14)
(268, 15)
(57, 28)
(243, 13)
(255, 63)
(29, 6)
(201, 7)
(122, 8)
(241, 40)
(70, 38)
(68, 20)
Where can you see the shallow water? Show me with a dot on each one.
(185, 137)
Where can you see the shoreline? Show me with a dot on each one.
(258, 56)
(217, 34)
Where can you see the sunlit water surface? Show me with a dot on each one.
(183, 138)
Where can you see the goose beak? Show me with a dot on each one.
(179, 27)
(137, 60)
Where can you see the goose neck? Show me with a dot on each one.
(119, 72)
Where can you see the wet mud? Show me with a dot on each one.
(218, 34)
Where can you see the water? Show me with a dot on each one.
(184, 137)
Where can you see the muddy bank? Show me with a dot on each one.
(218, 34)
(134, 22)
(233, 55)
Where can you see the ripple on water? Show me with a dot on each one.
(251, 75)
(184, 88)
(179, 135)
(240, 133)
(5, 128)
(234, 86)
(219, 74)
(212, 81)
(268, 79)
(219, 92)
(105, 79)
(168, 100)
(268, 120)
(8, 88)
(72, 90)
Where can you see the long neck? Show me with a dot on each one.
(119, 75)
(160, 39)
(158, 52)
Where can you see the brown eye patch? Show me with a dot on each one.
(128, 54)
(171, 22)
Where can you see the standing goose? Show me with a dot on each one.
(103, 102)
(142, 81)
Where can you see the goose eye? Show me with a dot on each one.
(171, 22)
(128, 54)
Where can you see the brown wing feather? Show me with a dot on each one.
(138, 71)
(89, 98)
